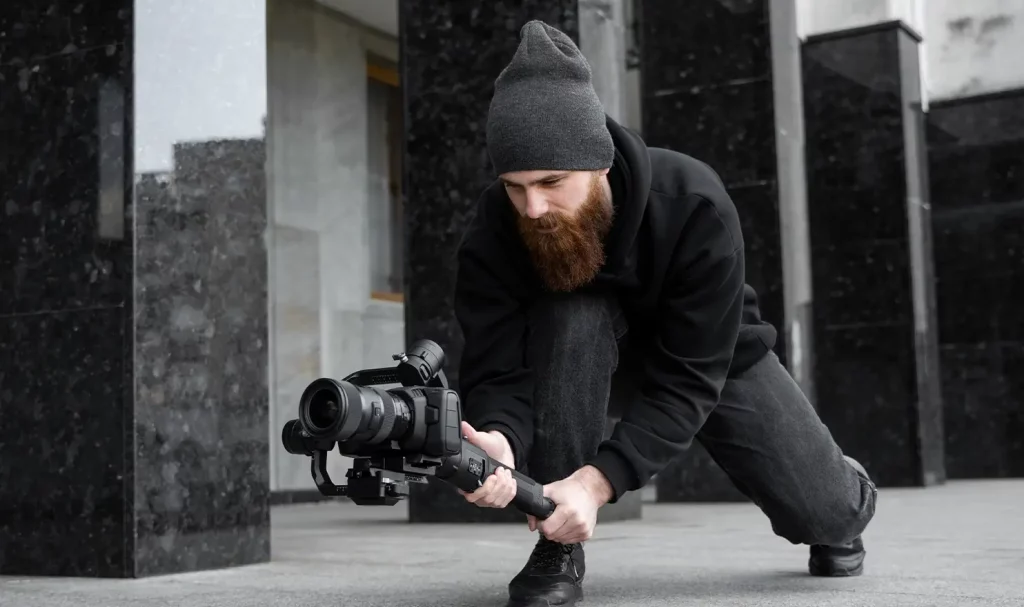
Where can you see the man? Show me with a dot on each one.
(596, 266)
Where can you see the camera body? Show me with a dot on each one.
(426, 413)
(396, 436)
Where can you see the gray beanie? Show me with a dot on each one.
(545, 114)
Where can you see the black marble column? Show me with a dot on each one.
(133, 396)
(706, 89)
(451, 54)
(976, 157)
(877, 371)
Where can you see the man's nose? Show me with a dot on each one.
(536, 206)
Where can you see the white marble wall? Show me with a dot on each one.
(822, 16)
(323, 322)
(974, 47)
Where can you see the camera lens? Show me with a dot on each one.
(359, 415)
(294, 442)
(324, 409)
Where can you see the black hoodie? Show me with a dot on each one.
(674, 258)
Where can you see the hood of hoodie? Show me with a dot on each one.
(630, 180)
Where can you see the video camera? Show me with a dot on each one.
(396, 436)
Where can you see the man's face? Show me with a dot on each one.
(563, 219)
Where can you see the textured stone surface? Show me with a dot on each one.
(976, 156)
(66, 299)
(133, 303)
(201, 464)
(875, 334)
(707, 92)
(452, 57)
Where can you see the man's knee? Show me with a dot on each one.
(827, 521)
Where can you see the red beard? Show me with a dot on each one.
(573, 254)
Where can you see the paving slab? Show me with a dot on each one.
(960, 544)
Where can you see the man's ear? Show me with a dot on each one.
(603, 172)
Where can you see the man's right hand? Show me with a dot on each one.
(500, 488)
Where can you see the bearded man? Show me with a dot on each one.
(596, 265)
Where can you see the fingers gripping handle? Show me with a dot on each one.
(529, 497)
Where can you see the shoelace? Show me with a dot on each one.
(550, 554)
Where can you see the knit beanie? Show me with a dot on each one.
(545, 114)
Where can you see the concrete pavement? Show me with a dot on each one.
(960, 544)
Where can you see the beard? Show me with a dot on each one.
(573, 254)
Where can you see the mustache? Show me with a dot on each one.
(544, 222)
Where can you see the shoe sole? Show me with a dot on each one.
(849, 567)
(540, 602)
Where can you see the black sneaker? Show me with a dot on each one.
(846, 560)
(553, 575)
(838, 561)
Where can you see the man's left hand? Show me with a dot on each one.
(577, 500)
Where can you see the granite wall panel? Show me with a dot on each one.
(707, 91)
(876, 360)
(133, 310)
(976, 157)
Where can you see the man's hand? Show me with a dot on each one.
(577, 500)
(500, 488)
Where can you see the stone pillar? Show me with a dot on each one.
(716, 102)
(877, 372)
(133, 307)
(450, 57)
(976, 157)
(602, 40)
(787, 87)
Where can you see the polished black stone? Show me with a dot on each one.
(703, 43)
(65, 304)
(50, 252)
(976, 156)
(133, 319)
(32, 31)
(730, 126)
(65, 443)
(451, 56)
(706, 89)
(876, 362)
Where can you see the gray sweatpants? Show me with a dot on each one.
(764, 433)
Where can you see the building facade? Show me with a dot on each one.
(209, 205)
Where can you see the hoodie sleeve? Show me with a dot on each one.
(495, 386)
(689, 356)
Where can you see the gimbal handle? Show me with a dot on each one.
(472, 466)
